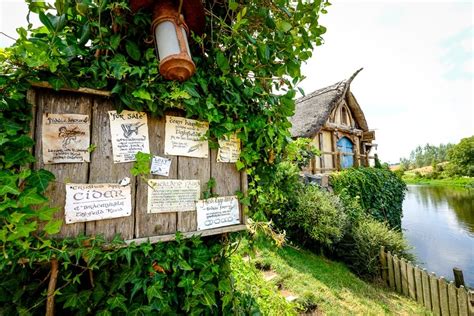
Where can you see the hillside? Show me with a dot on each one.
(315, 286)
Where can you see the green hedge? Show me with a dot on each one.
(380, 192)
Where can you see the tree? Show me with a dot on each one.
(461, 158)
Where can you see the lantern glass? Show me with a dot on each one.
(166, 39)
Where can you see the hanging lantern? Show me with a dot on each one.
(171, 40)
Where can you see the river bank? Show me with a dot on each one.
(465, 182)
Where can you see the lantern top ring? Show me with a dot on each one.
(176, 19)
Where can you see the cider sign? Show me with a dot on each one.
(92, 202)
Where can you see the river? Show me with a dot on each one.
(439, 223)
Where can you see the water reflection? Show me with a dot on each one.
(439, 224)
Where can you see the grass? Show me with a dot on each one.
(456, 182)
(330, 286)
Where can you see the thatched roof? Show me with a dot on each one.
(313, 110)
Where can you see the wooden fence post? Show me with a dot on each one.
(452, 299)
(426, 289)
(458, 277)
(391, 274)
(404, 278)
(463, 302)
(435, 306)
(396, 268)
(418, 285)
(470, 302)
(383, 265)
(411, 280)
(443, 296)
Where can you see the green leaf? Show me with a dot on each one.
(46, 22)
(154, 291)
(284, 26)
(133, 50)
(117, 302)
(142, 94)
(56, 83)
(53, 227)
(222, 63)
(40, 179)
(115, 41)
(31, 197)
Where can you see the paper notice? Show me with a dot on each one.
(173, 195)
(92, 202)
(160, 166)
(184, 137)
(217, 212)
(229, 149)
(129, 131)
(66, 138)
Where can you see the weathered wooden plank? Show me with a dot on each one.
(425, 280)
(418, 285)
(452, 299)
(404, 278)
(383, 265)
(192, 169)
(61, 103)
(104, 170)
(89, 91)
(443, 297)
(470, 302)
(391, 273)
(203, 233)
(435, 303)
(244, 187)
(396, 270)
(226, 175)
(161, 223)
(411, 280)
(463, 307)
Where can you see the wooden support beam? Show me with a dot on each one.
(47, 85)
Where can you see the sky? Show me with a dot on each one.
(417, 82)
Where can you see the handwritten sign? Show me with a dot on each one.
(217, 212)
(66, 138)
(92, 202)
(129, 131)
(184, 137)
(160, 166)
(229, 149)
(173, 195)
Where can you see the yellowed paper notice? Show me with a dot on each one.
(184, 137)
(93, 202)
(129, 131)
(66, 138)
(217, 212)
(229, 149)
(173, 195)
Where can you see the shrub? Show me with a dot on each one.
(318, 217)
(380, 192)
(461, 158)
(361, 245)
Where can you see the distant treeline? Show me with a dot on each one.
(427, 155)
(459, 158)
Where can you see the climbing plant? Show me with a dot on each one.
(248, 67)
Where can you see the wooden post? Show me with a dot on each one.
(403, 274)
(383, 265)
(443, 296)
(396, 268)
(470, 302)
(391, 274)
(52, 287)
(458, 277)
(425, 281)
(411, 280)
(463, 303)
(418, 285)
(452, 299)
(435, 306)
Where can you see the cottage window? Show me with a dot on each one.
(344, 116)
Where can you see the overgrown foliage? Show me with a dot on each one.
(380, 192)
(461, 158)
(249, 50)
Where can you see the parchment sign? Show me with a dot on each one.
(183, 137)
(229, 149)
(92, 202)
(160, 166)
(217, 212)
(66, 138)
(173, 195)
(129, 131)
